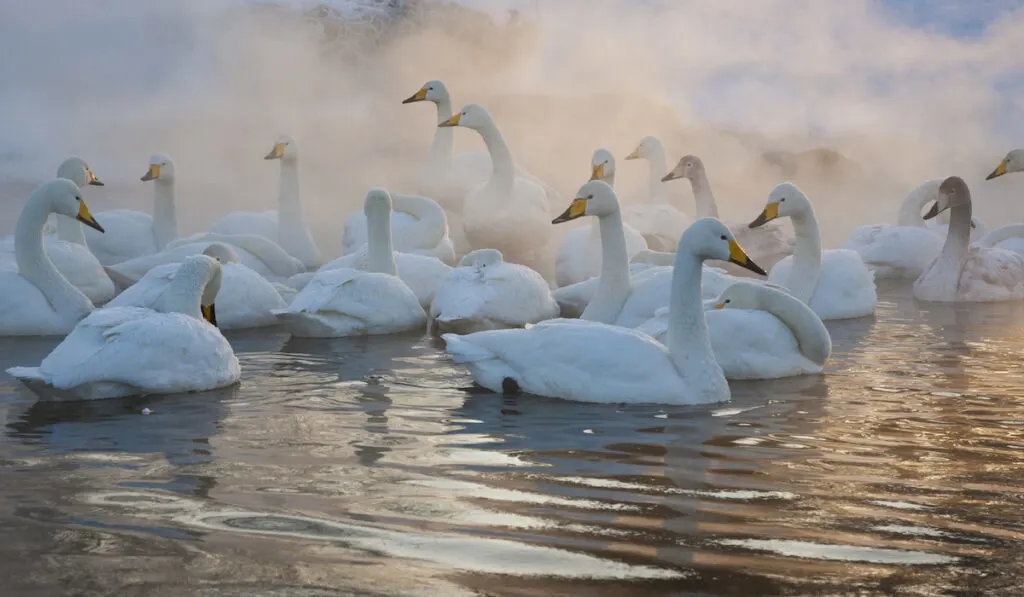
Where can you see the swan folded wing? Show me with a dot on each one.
(146, 291)
(846, 288)
(754, 344)
(895, 251)
(368, 297)
(519, 295)
(992, 274)
(463, 294)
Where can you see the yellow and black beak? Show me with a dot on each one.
(999, 171)
(635, 155)
(738, 256)
(598, 172)
(720, 305)
(771, 211)
(152, 174)
(276, 153)
(209, 313)
(577, 209)
(453, 121)
(419, 96)
(86, 218)
(92, 178)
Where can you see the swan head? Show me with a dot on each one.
(284, 149)
(785, 200)
(595, 198)
(1013, 162)
(482, 258)
(201, 271)
(160, 168)
(473, 116)
(378, 200)
(709, 238)
(222, 253)
(688, 166)
(602, 165)
(953, 192)
(432, 91)
(648, 147)
(77, 171)
(62, 196)
(742, 295)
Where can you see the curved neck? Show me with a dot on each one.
(706, 206)
(36, 267)
(380, 252)
(183, 294)
(803, 277)
(613, 287)
(810, 333)
(656, 192)
(914, 202)
(440, 156)
(503, 169)
(994, 237)
(688, 343)
(70, 230)
(165, 217)
(958, 236)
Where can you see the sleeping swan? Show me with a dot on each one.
(835, 283)
(419, 226)
(962, 273)
(37, 300)
(596, 362)
(168, 348)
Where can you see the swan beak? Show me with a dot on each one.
(999, 171)
(453, 121)
(152, 174)
(738, 256)
(209, 313)
(419, 96)
(576, 209)
(92, 178)
(86, 218)
(635, 155)
(720, 305)
(771, 211)
(673, 175)
(598, 173)
(934, 211)
(276, 153)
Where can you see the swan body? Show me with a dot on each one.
(836, 284)
(421, 274)
(660, 223)
(767, 244)
(596, 362)
(286, 226)
(69, 252)
(508, 212)
(579, 255)
(132, 233)
(246, 299)
(760, 332)
(965, 273)
(343, 301)
(486, 293)
(122, 351)
(36, 300)
(1009, 238)
(419, 226)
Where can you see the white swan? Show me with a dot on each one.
(579, 255)
(246, 298)
(69, 253)
(486, 293)
(286, 226)
(37, 300)
(133, 233)
(835, 283)
(767, 245)
(760, 332)
(351, 302)
(962, 273)
(124, 351)
(446, 177)
(660, 223)
(1009, 238)
(596, 362)
(1013, 162)
(418, 224)
(508, 212)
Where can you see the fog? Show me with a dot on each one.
(212, 82)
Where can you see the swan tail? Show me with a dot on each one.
(30, 373)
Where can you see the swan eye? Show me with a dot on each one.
(781, 200)
(689, 164)
(724, 238)
(78, 197)
(591, 196)
(727, 301)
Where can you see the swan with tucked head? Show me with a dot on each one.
(965, 273)
(835, 283)
(1013, 162)
(595, 362)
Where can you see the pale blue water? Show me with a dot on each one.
(373, 467)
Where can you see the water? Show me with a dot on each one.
(372, 467)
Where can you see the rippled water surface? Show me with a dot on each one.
(373, 467)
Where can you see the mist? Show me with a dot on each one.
(212, 83)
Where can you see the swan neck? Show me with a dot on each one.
(183, 294)
(35, 266)
(803, 277)
(165, 216)
(70, 230)
(687, 339)
(503, 169)
(380, 250)
(705, 199)
(440, 156)
(656, 191)
(958, 235)
(289, 199)
(810, 334)
(613, 287)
